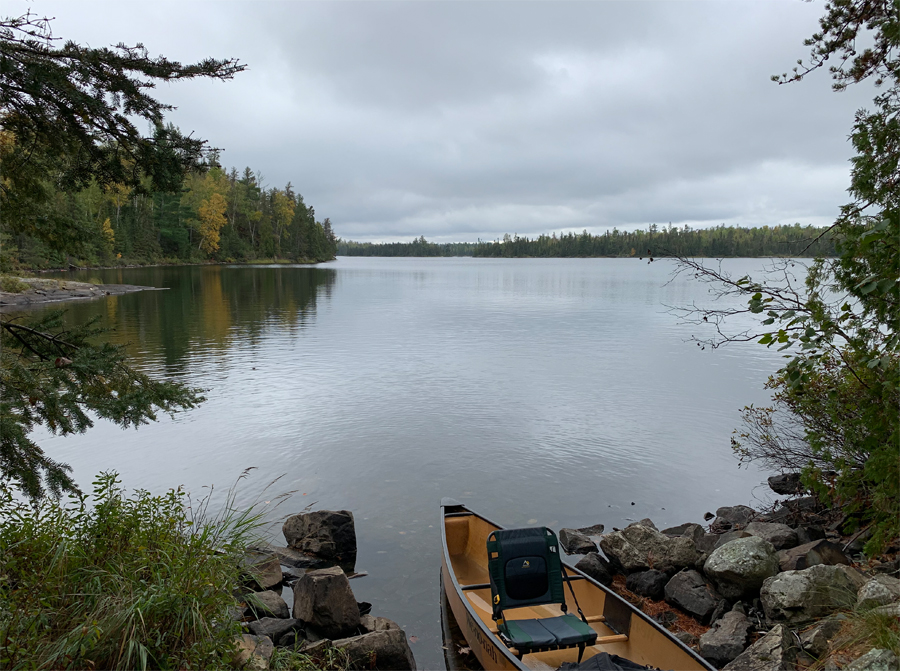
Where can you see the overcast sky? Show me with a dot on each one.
(462, 120)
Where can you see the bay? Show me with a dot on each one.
(557, 392)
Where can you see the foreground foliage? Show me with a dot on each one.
(118, 582)
(53, 376)
(836, 400)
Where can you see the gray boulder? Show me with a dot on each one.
(593, 530)
(879, 591)
(266, 604)
(262, 570)
(686, 529)
(575, 543)
(624, 556)
(274, 627)
(793, 512)
(296, 559)
(325, 533)
(386, 650)
(638, 547)
(807, 533)
(726, 639)
(779, 535)
(811, 554)
(739, 568)
(773, 652)
(324, 600)
(651, 584)
(786, 483)
(368, 624)
(728, 536)
(732, 517)
(705, 545)
(815, 640)
(596, 567)
(663, 553)
(690, 592)
(877, 659)
(253, 652)
(797, 597)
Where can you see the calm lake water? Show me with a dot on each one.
(539, 391)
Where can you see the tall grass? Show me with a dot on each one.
(112, 581)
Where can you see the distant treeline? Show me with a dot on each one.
(721, 241)
(418, 247)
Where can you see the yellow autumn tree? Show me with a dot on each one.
(108, 236)
(283, 212)
(211, 215)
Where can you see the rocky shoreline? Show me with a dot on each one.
(41, 290)
(753, 591)
(317, 565)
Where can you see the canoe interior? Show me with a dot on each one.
(466, 538)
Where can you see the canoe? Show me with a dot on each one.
(622, 629)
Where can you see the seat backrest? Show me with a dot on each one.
(524, 568)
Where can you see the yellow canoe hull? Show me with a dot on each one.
(621, 629)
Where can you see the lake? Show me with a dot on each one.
(538, 391)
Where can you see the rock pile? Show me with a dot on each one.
(777, 579)
(324, 613)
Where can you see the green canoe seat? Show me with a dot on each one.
(525, 570)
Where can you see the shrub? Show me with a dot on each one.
(12, 284)
(118, 582)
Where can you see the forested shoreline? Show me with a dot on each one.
(215, 216)
(720, 241)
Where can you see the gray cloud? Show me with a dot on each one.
(464, 120)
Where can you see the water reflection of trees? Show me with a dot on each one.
(203, 310)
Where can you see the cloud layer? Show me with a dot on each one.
(463, 120)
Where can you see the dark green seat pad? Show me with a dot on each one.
(563, 631)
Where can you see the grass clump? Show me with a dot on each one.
(861, 631)
(113, 581)
(12, 285)
(330, 659)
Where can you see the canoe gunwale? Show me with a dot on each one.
(579, 574)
